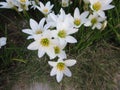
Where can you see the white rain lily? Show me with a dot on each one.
(45, 9)
(61, 67)
(63, 31)
(23, 5)
(3, 41)
(66, 3)
(99, 6)
(80, 19)
(60, 18)
(36, 28)
(44, 44)
(95, 21)
(58, 50)
(8, 4)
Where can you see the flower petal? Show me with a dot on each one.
(27, 31)
(53, 71)
(59, 76)
(76, 13)
(33, 46)
(67, 72)
(51, 63)
(33, 24)
(41, 52)
(70, 62)
(71, 39)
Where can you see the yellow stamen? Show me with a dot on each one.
(77, 22)
(45, 42)
(38, 32)
(56, 50)
(60, 66)
(62, 34)
(97, 6)
(94, 21)
(23, 1)
(45, 10)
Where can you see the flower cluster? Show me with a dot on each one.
(54, 31)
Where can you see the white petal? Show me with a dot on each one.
(99, 26)
(3, 41)
(51, 63)
(33, 24)
(41, 5)
(71, 31)
(76, 13)
(70, 62)
(53, 71)
(62, 55)
(33, 46)
(71, 39)
(63, 42)
(30, 37)
(41, 23)
(102, 14)
(51, 53)
(88, 24)
(27, 31)
(108, 7)
(41, 52)
(84, 14)
(47, 4)
(67, 72)
(59, 76)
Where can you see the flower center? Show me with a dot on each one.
(45, 10)
(62, 34)
(56, 50)
(64, 4)
(77, 22)
(60, 66)
(23, 1)
(97, 6)
(94, 21)
(38, 32)
(45, 42)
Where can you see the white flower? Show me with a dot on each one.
(61, 67)
(62, 17)
(99, 6)
(79, 19)
(66, 3)
(8, 4)
(23, 5)
(95, 21)
(3, 41)
(58, 50)
(45, 9)
(44, 44)
(36, 28)
(62, 32)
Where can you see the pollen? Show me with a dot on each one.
(23, 1)
(45, 42)
(62, 34)
(45, 10)
(60, 66)
(64, 4)
(97, 6)
(94, 21)
(38, 32)
(77, 22)
(56, 50)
